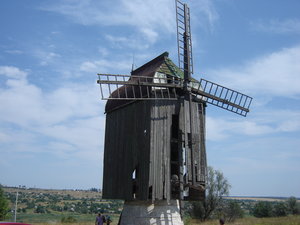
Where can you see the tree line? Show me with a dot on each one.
(216, 206)
(43, 203)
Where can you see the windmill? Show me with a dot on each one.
(155, 126)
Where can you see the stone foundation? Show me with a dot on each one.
(148, 213)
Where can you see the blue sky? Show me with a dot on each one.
(51, 115)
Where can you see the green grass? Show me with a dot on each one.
(55, 218)
(288, 220)
(88, 219)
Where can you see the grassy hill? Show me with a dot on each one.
(46, 206)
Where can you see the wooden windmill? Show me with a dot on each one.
(155, 125)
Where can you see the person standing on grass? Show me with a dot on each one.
(99, 220)
(222, 221)
(108, 220)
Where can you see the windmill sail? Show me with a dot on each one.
(222, 97)
(125, 87)
(148, 88)
(184, 37)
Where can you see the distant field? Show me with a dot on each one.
(266, 199)
(289, 220)
(91, 194)
(73, 193)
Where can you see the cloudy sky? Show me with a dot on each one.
(51, 115)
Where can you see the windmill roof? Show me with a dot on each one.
(161, 63)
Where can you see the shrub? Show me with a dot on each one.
(280, 209)
(40, 209)
(3, 205)
(69, 219)
(293, 206)
(232, 211)
(262, 209)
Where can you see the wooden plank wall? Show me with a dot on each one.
(139, 136)
(203, 161)
(160, 145)
(198, 140)
(126, 148)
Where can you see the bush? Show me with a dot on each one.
(3, 205)
(69, 219)
(40, 209)
(263, 209)
(232, 211)
(280, 209)
(293, 206)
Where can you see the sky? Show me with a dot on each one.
(52, 119)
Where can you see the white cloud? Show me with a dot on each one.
(14, 52)
(103, 51)
(65, 121)
(134, 42)
(275, 74)
(204, 13)
(262, 123)
(46, 57)
(105, 66)
(151, 35)
(150, 18)
(221, 129)
(288, 26)
(12, 72)
(88, 66)
(148, 15)
(4, 137)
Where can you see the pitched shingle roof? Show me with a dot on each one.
(161, 63)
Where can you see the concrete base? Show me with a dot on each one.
(148, 213)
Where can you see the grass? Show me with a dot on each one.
(289, 220)
(55, 219)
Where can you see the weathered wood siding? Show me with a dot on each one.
(138, 136)
(127, 147)
(198, 142)
(202, 136)
(160, 146)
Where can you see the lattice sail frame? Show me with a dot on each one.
(184, 37)
(126, 87)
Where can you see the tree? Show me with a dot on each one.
(280, 209)
(263, 209)
(217, 186)
(94, 189)
(292, 205)
(40, 209)
(3, 205)
(232, 210)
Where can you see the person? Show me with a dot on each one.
(99, 219)
(108, 220)
(222, 221)
(175, 186)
